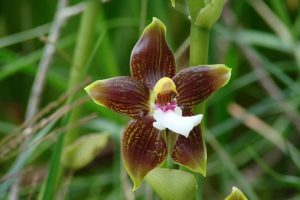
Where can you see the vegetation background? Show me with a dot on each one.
(253, 133)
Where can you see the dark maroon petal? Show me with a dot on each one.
(195, 84)
(143, 149)
(151, 58)
(121, 94)
(191, 152)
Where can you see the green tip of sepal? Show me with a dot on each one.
(91, 88)
(136, 184)
(155, 25)
(223, 72)
(226, 74)
(173, 3)
(156, 22)
(202, 168)
(88, 89)
(236, 194)
(135, 178)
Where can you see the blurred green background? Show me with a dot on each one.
(253, 124)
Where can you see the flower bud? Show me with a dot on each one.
(205, 13)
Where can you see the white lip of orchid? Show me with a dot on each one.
(173, 120)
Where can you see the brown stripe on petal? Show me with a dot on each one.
(121, 94)
(191, 152)
(164, 91)
(195, 84)
(143, 149)
(151, 58)
(165, 98)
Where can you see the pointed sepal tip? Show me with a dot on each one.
(236, 194)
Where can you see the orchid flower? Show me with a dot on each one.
(160, 104)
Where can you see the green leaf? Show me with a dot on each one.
(236, 194)
(171, 184)
(83, 150)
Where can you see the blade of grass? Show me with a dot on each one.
(231, 167)
(81, 56)
(278, 27)
(272, 20)
(45, 62)
(219, 109)
(287, 180)
(259, 109)
(21, 161)
(24, 35)
(29, 60)
(281, 9)
(263, 39)
(266, 131)
(6, 127)
(49, 186)
(143, 15)
(271, 67)
(259, 126)
(106, 57)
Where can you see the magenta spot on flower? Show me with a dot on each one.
(169, 106)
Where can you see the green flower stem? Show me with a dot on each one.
(199, 44)
(81, 57)
(171, 139)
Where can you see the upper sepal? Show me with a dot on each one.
(151, 58)
(121, 94)
(142, 148)
(195, 84)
